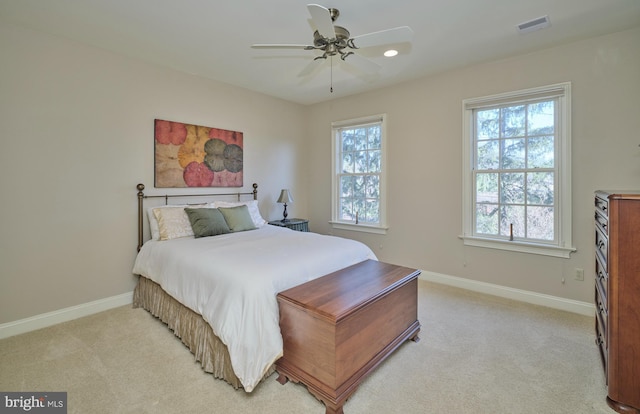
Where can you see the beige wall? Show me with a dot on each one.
(77, 125)
(424, 150)
(77, 136)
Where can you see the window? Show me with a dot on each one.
(358, 185)
(517, 171)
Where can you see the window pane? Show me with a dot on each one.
(348, 140)
(513, 121)
(540, 223)
(487, 219)
(374, 137)
(372, 184)
(358, 186)
(487, 188)
(540, 152)
(346, 186)
(360, 162)
(372, 211)
(513, 153)
(346, 209)
(375, 161)
(359, 205)
(360, 139)
(348, 162)
(512, 215)
(512, 188)
(488, 124)
(541, 118)
(540, 188)
(488, 155)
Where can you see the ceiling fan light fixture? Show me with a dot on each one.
(331, 40)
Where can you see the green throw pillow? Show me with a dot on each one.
(207, 222)
(238, 218)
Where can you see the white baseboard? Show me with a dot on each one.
(63, 315)
(569, 305)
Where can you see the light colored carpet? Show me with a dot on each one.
(477, 354)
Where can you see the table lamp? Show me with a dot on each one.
(285, 197)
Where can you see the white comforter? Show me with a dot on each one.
(232, 281)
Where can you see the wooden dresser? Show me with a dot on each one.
(617, 237)
(337, 328)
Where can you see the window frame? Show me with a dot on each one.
(563, 246)
(381, 227)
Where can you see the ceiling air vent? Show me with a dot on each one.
(535, 24)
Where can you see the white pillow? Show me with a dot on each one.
(173, 222)
(153, 223)
(170, 221)
(252, 205)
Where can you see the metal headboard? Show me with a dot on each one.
(142, 196)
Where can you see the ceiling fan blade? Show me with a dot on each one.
(281, 46)
(322, 20)
(313, 65)
(384, 37)
(362, 63)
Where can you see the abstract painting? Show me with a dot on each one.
(196, 156)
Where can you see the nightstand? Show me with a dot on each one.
(294, 224)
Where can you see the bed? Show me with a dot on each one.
(217, 292)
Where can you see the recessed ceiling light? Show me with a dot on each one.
(390, 53)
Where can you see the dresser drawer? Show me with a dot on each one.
(602, 205)
(602, 279)
(601, 309)
(601, 341)
(601, 325)
(602, 248)
(602, 223)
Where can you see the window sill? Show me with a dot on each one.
(359, 227)
(517, 246)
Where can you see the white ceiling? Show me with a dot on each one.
(212, 38)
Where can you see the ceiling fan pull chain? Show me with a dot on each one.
(331, 88)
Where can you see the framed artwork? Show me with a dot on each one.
(196, 156)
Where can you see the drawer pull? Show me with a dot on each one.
(601, 275)
(601, 310)
(601, 205)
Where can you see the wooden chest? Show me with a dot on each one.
(338, 328)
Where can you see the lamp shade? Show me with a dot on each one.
(285, 197)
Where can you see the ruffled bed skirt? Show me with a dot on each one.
(190, 327)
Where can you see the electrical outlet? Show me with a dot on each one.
(579, 274)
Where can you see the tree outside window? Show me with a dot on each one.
(517, 171)
(358, 195)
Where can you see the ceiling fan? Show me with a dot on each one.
(334, 40)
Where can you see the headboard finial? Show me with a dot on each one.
(140, 187)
